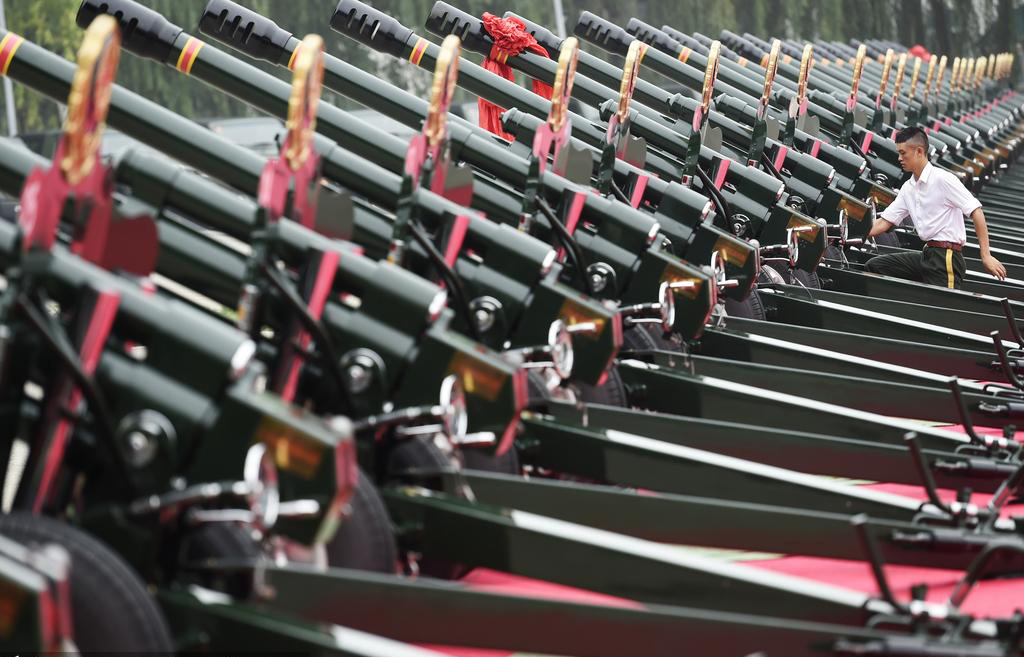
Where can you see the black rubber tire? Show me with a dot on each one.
(536, 393)
(808, 278)
(414, 453)
(611, 393)
(751, 308)
(833, 253)
(365, 540)
(477, 459)
(112, 611)
(887, 239)
(220, 541)
(641, 338)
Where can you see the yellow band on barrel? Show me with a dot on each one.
(684, 54)
(188, 55)
(8, 46)
(417, 51)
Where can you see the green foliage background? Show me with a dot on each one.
(954, 27)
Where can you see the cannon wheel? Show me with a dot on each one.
(750, 308)
(640, 338)
(220, 541)
(365, 540)
(612, 392)
(477, 459)
(421, 452)
(887, 239)
(808, 278)
(111, 609)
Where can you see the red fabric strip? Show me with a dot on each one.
(723, 168)
(510, 38)
(322, 285)
(780, 158)
(866, 144)
(92, 348)
(458, 235)
(638, 191)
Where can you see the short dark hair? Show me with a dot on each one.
(914, 135)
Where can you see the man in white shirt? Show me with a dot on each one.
(936, 202)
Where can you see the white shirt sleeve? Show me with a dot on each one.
(897, 210)
(958, 197)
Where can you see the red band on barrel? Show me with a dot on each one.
(8, 46)
(417, 51)
(458, 235)
(815, 147)
(188, 55)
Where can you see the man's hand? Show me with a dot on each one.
(993, 266)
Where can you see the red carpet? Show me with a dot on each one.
(993, 598)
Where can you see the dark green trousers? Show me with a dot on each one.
(942, 267)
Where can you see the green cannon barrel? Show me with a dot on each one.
(166, 359)
(495, 243)
(848, 165)
(385, 308)
(261, 38)
(613, 38)
(380, 31)
(236, 26)
(805, 176)
(619, 233)
(805, 173)
(749, 190)
(513, 263)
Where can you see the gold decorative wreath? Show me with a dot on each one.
(562, 90)
(770, 70)
(307, 83)
(630, 72)
(806, 61)
(941, 74)
(710, 73)
(930, 78)
(886, 68)
(446, 73)
(913, 78)
(858, 69)
(89, 99)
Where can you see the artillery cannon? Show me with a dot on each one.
(584, 442)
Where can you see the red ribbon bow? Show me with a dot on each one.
(510, 38)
